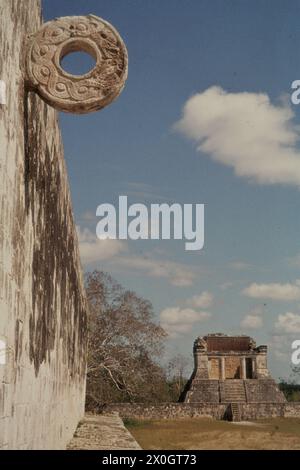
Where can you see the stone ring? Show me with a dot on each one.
(76, 93)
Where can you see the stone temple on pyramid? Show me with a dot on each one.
(230, 369)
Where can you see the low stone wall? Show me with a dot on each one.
(249, 411)
(292, 410)
(169, 410)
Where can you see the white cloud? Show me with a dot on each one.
(144, 192)
(203, 300)
(294, 261)
(177, 274)
(246, 132)
(176, 320)
(280, 347)
(252, 322)
(227, 285)
(288, 323)
(93, 250)
(286, 329)
(115, 254)
(253, 319)
(89, 216)
(240, 265)
(274, 291)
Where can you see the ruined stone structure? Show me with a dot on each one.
(219, 411)
(230, 369)
(42, 301)
(230, 380)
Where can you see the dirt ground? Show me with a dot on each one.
(197, 433)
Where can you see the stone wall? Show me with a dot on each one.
(214, 368)
(263, 390)
(220, 391)
(203, 391)
(232, 367)
(168, 410)
(248, 411)
(42, 302)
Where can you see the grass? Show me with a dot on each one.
(202, 433)
(134, 423)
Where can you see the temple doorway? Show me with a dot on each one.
(249, 368)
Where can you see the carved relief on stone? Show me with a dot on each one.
(200, 344)
(252, 344)
(76, 94)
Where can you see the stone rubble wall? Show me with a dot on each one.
(263, 390)
(213, 391)
(249, 411)
(168, 410)
(42, 301)
(203, 390)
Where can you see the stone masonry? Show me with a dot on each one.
(230, 381)
(219, 411)
(102, 432)
(42, 300)
(43, 309)
(230, 369)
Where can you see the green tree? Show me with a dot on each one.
(291, 387)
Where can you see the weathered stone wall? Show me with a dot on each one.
(292, 410)
(232, 367)
(214, 368)
(263, 390)
(168, 410)
(207, 391)
(42, 302)
(248, 411)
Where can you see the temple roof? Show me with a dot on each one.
(223, 343)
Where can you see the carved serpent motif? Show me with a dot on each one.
(70, 93)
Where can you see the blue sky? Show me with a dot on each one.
(178, 50)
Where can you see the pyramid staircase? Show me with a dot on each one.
(235, 412)
(234, 391)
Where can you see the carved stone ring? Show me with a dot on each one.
(70, 93)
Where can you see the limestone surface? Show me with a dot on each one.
(103, 432)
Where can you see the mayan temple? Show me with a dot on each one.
(230, 369)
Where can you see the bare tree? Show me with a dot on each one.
(125, 344)
(177, 375)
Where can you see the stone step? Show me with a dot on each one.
(234, 391)
(235, 412)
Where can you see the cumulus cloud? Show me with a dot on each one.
(240, 265)
(288, 323)
(177, 274)
(280, 346)
(176, 320)
(294, 261)
(274, 291)
(252, 322)
(116, 256)
(144, 191)
(89, 216)
(93, 250)
(203, 300)
(227, 285)
(286, 330)
(246, 132)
